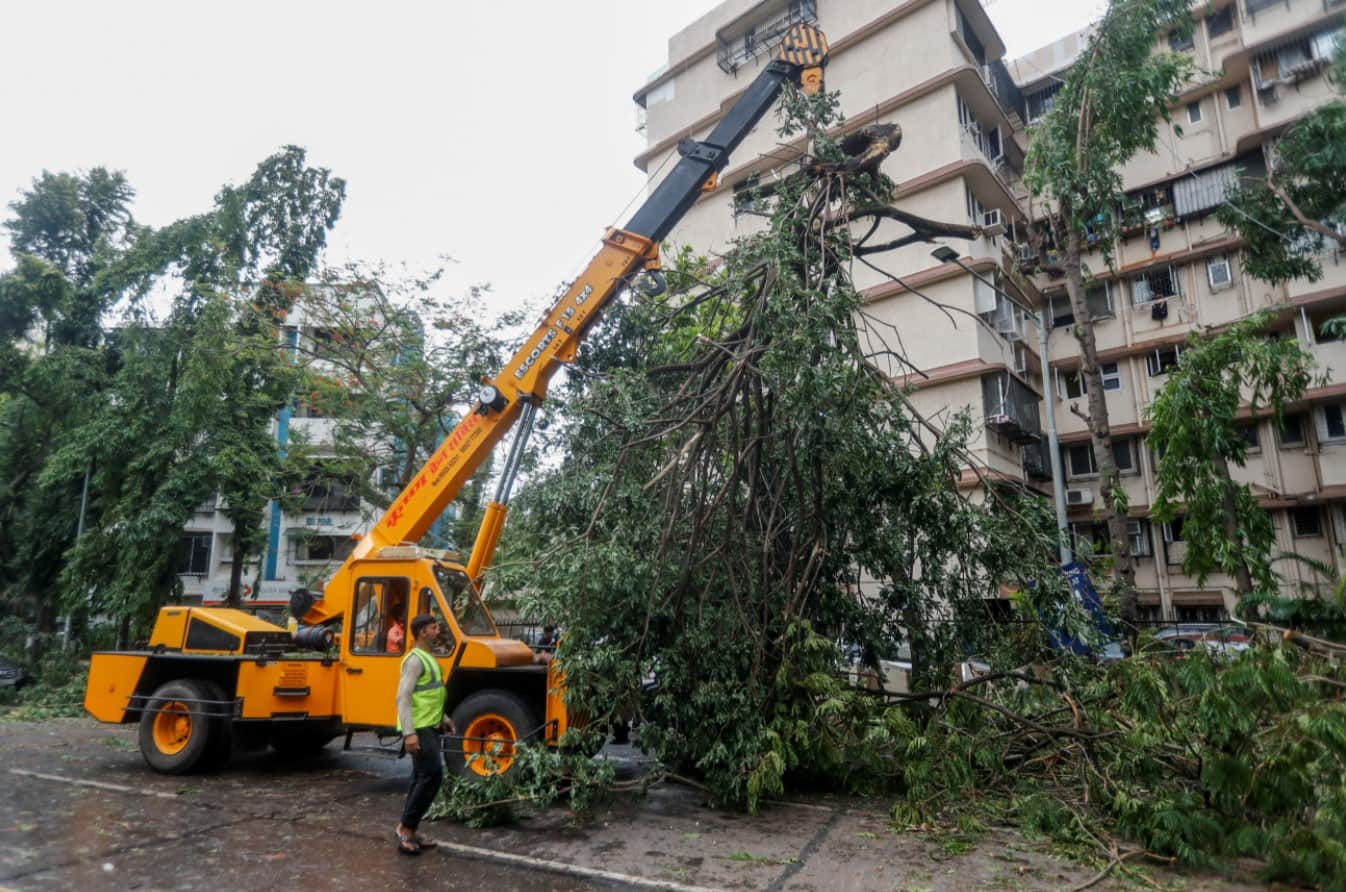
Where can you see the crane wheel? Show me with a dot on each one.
(490, 723)
(177, 732)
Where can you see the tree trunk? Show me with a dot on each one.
(234, 598)
(1243, 578)
(1099, 429)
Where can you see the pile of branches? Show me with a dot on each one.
(1156, 757)
(750, 501)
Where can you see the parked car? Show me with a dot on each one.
(14, 676)
(1224, 640)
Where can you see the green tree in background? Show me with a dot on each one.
(159, 415)
(1108, 110)
(1289, 218)
(1195, 423)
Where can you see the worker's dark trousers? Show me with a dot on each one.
(427, 774)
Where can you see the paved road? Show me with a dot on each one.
(81, 810)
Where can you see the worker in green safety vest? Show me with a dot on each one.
(421, 721)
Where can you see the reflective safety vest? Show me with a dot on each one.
(427, 698)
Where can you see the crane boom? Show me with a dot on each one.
(520, 387)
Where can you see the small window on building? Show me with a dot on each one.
(1194, 112)
(1138, 537)
(1293, 431)
(1099, 299)
(1218, 272)
(1173, 530)
(1307, 522)
(194, 554)
(1233, 97)
(1179, 41)
(1072, 384)
(1124, 455)
(1112, 377)
(1156, 284)
(1080, 460)
(1162, 360)
(1332, 422)
(1062, 314)
(1220, 23)
(1326, 329)
(1248, 433)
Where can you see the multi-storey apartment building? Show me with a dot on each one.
(937, 68)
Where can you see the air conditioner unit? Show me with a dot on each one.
(1079, 497)
(993, 223)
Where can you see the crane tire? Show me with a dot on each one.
(489, 724)
(177, 734)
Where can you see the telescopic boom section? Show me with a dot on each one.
(522, 384)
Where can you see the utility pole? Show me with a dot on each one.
(79, 534)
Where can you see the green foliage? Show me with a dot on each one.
(1196, 758)
(540, 777)
(742, 490)
(1194, 430)
(1109, 109)
(1310, 176)
(156, 415)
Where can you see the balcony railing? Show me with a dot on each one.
(1011, 408)
(760, 38)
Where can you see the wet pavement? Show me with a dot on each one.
(81, 810)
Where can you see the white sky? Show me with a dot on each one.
(501, 134)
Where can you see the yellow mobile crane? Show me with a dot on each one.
(214, 678)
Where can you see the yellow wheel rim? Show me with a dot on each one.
(172, 728)
(492, 737)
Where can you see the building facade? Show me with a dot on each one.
(938, 69)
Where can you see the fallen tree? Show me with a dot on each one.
(747, 495)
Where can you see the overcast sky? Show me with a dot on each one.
(500, 134)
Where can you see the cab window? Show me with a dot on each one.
(379, 624)
(427, 603)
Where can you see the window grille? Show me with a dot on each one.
(760, 38)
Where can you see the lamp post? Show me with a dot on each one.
(945, 254)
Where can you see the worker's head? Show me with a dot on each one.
(424, 626)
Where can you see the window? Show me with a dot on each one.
(1323, 333)
(1156, 284)
(194, 554)
(1306, 522)
(1292, 431)
(1099, 300)
(1194, 112)
(379, 617)
(1220, 23)
(1173, 530)
(1080, 460)
(1218, 272)
(1233, 97)
(1179, 41)
(747, 197)
(1138, 537)
(1332, 422)
(1090, 537)
(1161, 360)
(1124, 455)
(1062, 314)
(1251, 438)
(1041, 100)
(1071, 382)
(1112, 377)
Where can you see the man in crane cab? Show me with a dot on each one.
(421, 720)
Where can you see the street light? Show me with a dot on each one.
(945, 254)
